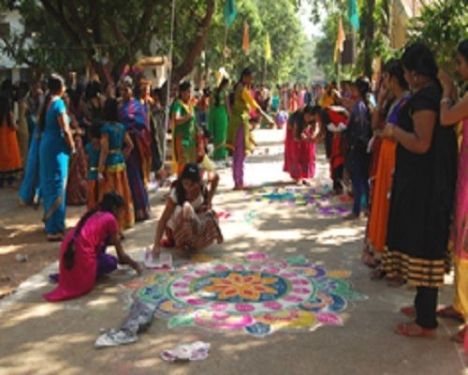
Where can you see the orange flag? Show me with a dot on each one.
(340, 39)
(245, 39)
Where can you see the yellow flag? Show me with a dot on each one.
(340, 39)
(246, 39)
(267, 48)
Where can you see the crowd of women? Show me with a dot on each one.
(400, 152)
(396, 143)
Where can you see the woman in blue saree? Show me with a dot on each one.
(29, 192)
(132, 115)
(54, 153)
(29, 189)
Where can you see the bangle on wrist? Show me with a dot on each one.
(446, 100)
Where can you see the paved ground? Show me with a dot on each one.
(42, 338)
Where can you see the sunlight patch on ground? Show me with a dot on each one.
(338, 236)
(9, 249)
(36, 311)
(102, 301)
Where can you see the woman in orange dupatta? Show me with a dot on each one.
(395, 82)
(10, 158)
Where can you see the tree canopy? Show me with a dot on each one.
(61, 35)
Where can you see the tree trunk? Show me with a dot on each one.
(369, 30)
(197, 46)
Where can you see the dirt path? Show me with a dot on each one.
(42, 338)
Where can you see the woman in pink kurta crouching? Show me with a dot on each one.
(82, 253)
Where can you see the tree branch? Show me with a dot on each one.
(197, 46)
(59, 16)
(143, 26)
(81, 25)
(14, 51)
(111, 21)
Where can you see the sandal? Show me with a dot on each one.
(459, 337)
(55, 237)
(369, 260)
(449, 312)
(377, 274)
(409, 311)
(414, 330)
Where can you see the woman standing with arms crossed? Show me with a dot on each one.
(422, 194)
(56, 146)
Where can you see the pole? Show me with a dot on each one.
(169, 76)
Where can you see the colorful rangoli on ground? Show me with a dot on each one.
(320, 199)
(257, 294)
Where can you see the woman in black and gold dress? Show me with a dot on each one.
(423, 192)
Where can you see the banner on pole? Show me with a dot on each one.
(353, 14)
(267, 48)
(246, 39)
(230, 12)
(340, 39)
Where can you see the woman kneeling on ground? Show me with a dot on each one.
(188, 221)
(82, 254)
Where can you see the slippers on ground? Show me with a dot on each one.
(414, 330)
(369, 260)
(459, 337)
(449, 312)
(55, 237)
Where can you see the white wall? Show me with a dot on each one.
(16, 27)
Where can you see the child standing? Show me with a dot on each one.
(116, 145)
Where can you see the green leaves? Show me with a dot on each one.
(442, 25)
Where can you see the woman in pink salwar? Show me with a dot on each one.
(82, 253)
(450, 115)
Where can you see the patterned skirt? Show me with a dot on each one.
(117, 181)
(194, 231)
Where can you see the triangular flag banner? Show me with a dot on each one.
(267, 48)
(245, 39)
(230, 12)
(340, 39)
(353, 14)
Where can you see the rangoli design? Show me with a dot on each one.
(321, 199)
(257, 294)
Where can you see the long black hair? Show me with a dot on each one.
(191, 172)
(111, 202)
(463, 49)
(419, 58)
(55, 85)
(5, 111)
(394, 68)
(111, 110)
(224, 82)
(363, 86)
